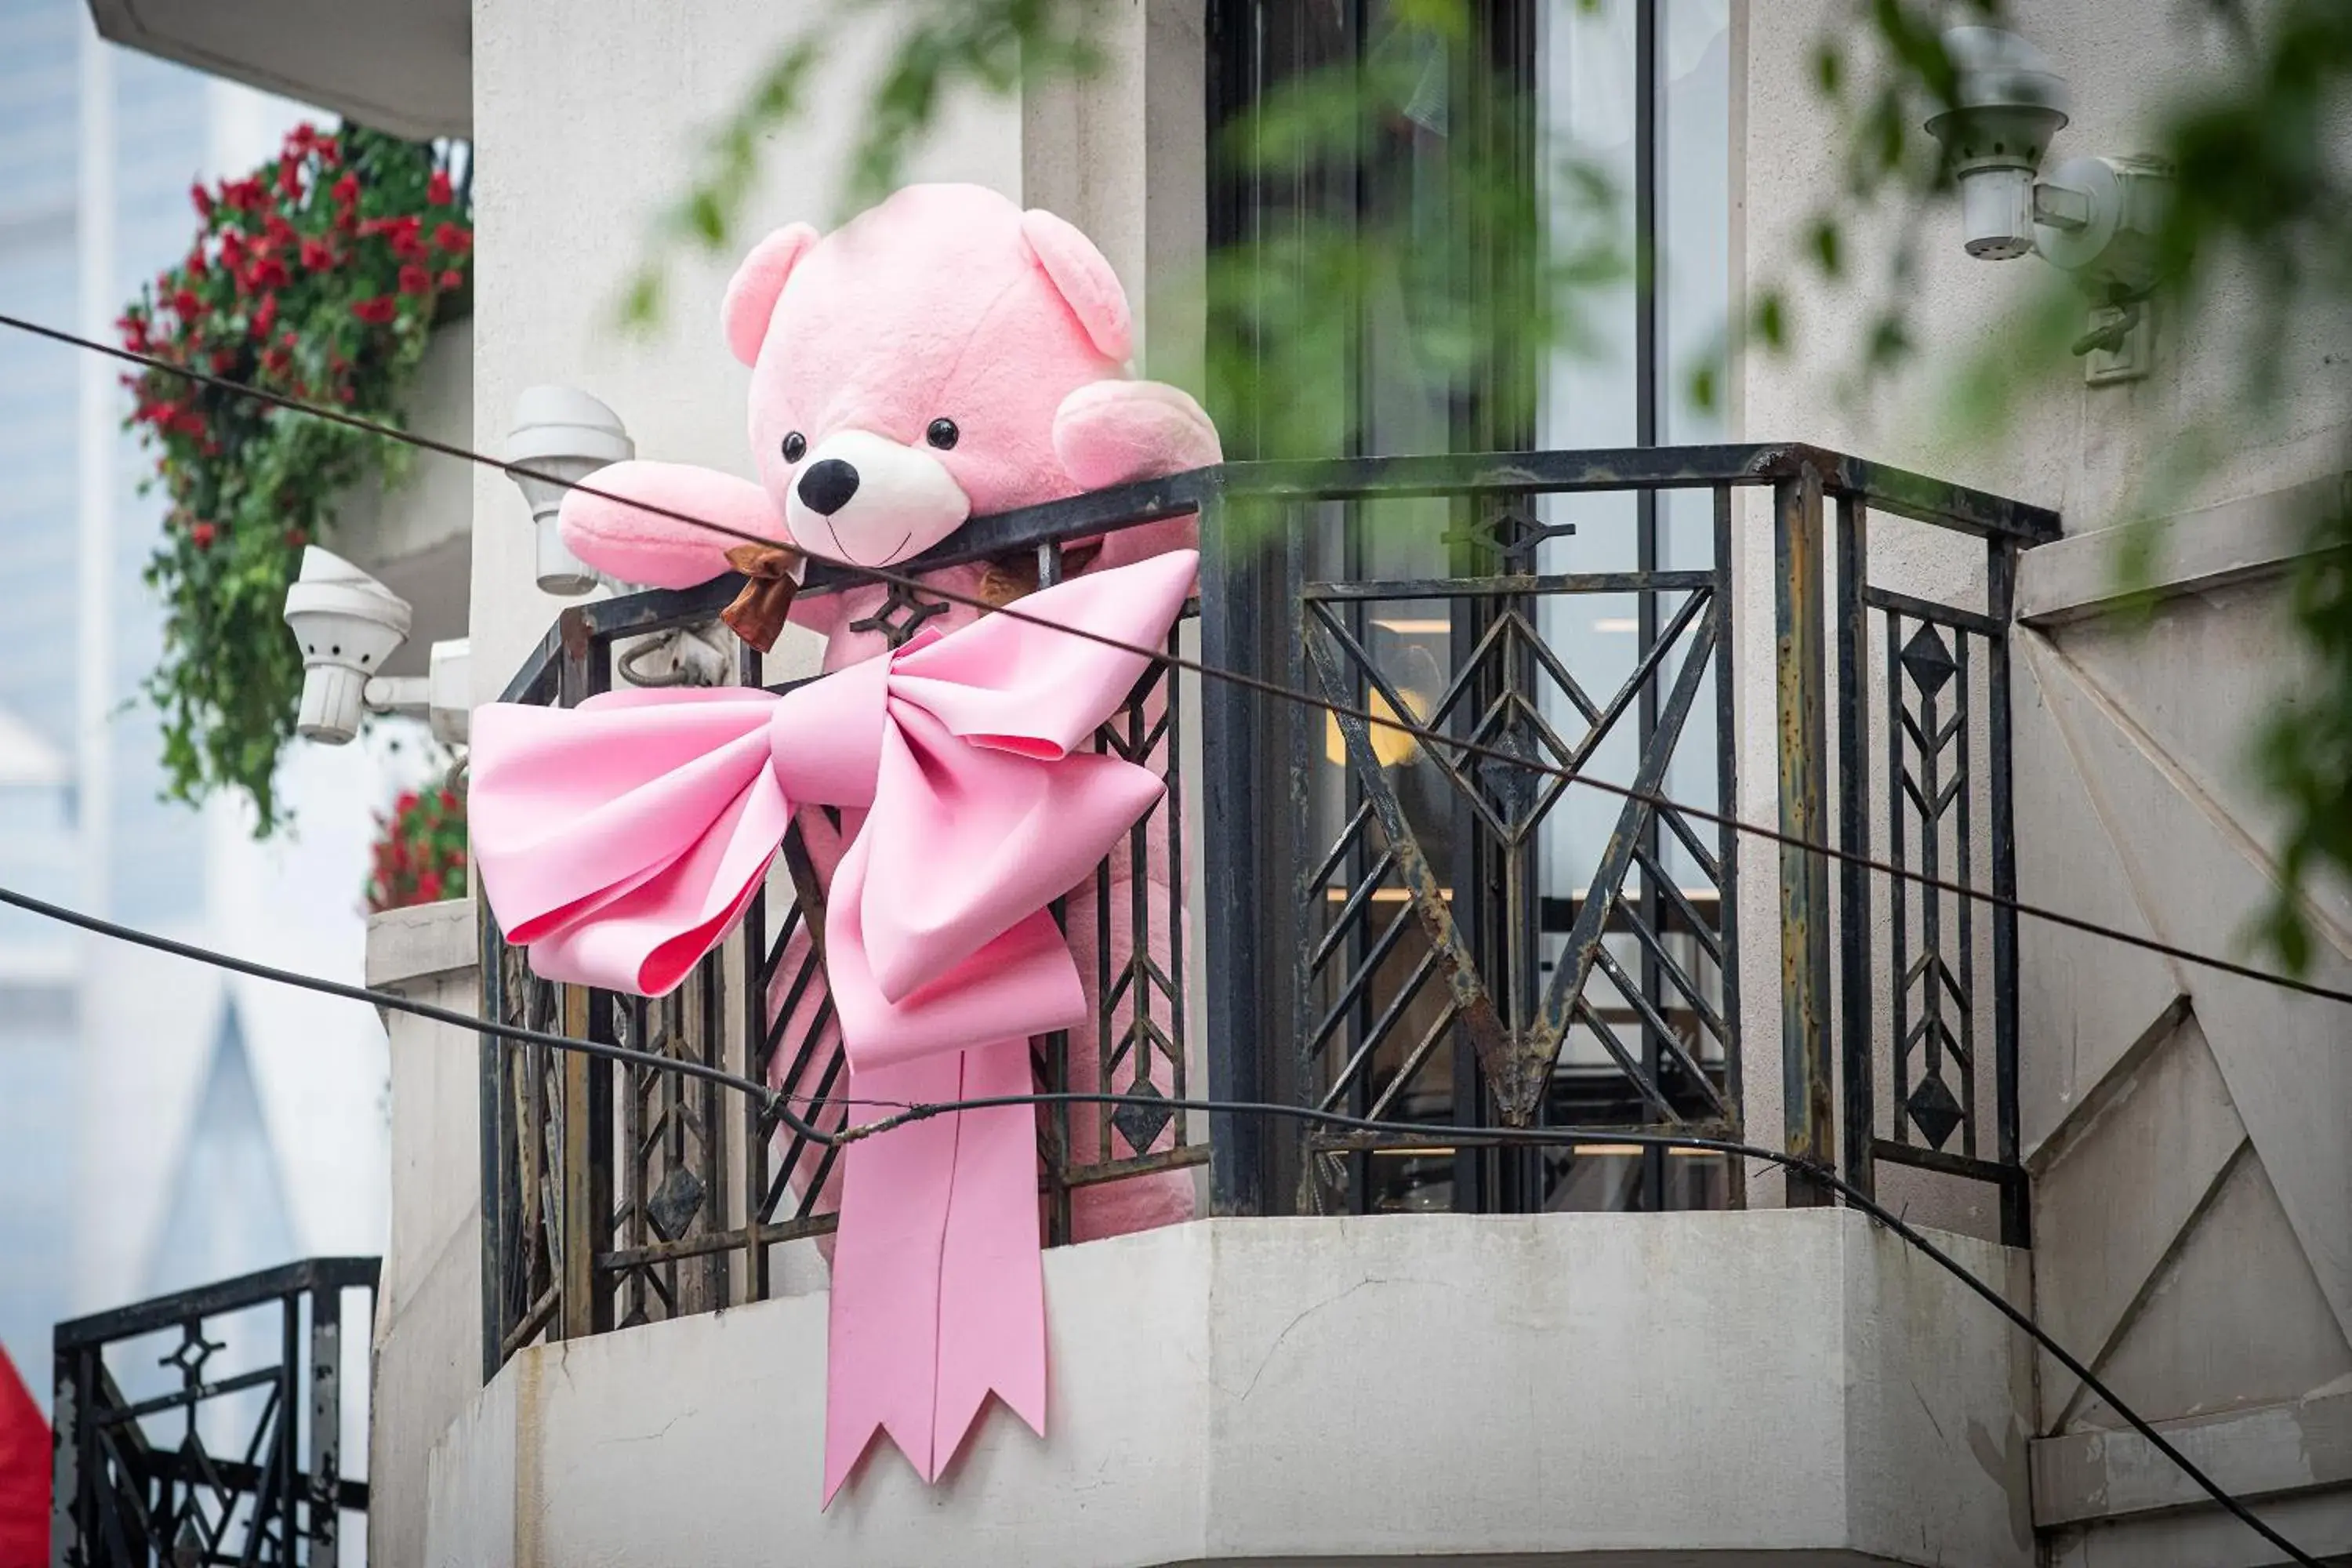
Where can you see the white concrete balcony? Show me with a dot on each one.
(1789, 1386)
(417, 537)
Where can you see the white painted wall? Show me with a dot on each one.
(426, 1357)
(580, 150)
(2187, 1130)
(1567, 1388)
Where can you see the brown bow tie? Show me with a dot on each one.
(757, 614)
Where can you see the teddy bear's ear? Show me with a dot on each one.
(752, 292)
(1084, 279)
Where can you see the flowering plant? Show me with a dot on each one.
(320, 277)
(420, 853)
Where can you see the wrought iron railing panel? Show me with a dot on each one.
(1930, 988)
(619, 1194)
(1396, 927)
(206, 1427)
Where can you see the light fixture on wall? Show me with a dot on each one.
(565, 434)
(2090, 216)
(347, 624)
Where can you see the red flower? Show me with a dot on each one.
(405, 804)
(438, 191)
(428, 885)
(448, 236)
(296, 539)
(279, 231)
(377, 311)
(245, 195)
(448, 800)
(187, 303)
(202, 534)
(265, 316)
(452, 279)
(233, 249)
(415, 279)
(318, 255)
(188, 421)
(276, 360)
(203, 201)
(347, 189)
(290, 178)
(330, 151)
(223, 361)
(268, 272)
(195, 265)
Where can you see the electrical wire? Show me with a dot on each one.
(1394, 1134)
(1427, 737)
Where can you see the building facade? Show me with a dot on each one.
(1615, 1355)
(159, 1128)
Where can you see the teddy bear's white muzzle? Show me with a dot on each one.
(872, 501)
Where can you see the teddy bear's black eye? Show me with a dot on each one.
(795, 447)
(942, 433)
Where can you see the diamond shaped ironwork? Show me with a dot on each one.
(1927, 660)
(1141, 1124)
(190, 1357)
(674, 1204)
(902, 615)
(1510, 787)
(1933, 1111)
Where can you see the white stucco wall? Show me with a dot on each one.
(586, 125)
(2185, 1128)
(1567, 1388)
(427, 1359)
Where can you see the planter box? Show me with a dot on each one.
(418, 539)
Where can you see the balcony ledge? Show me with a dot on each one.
(1783, 1386)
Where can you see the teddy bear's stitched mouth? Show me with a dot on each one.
(888, 556)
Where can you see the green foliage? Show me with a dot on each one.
(2259, 196)
(944, 45)
(420, 849)
(320, 277)
(2259, 191)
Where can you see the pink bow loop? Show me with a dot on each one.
(621, 840)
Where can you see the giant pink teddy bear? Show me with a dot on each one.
(941, 356)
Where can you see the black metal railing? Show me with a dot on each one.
(1413, 930)
(616, 1194)
(207, 1426)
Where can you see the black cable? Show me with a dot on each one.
(905, 1112)
(1427, 737)
(399, 1004)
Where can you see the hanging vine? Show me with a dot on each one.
(322, 275)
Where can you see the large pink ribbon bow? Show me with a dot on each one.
(620, 841)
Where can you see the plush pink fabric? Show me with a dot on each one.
(944, 302)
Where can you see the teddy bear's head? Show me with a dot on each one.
(942, 356)
(907, 370)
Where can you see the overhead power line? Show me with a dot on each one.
(1424, 735)
(1393, 1133)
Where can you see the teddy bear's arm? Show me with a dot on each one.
(609, 526)
(1113, 432)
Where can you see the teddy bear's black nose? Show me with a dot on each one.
(827, 486)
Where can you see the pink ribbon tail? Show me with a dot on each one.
(937, 1251)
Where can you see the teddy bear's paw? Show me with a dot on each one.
(1112, 432)
(666, 525)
